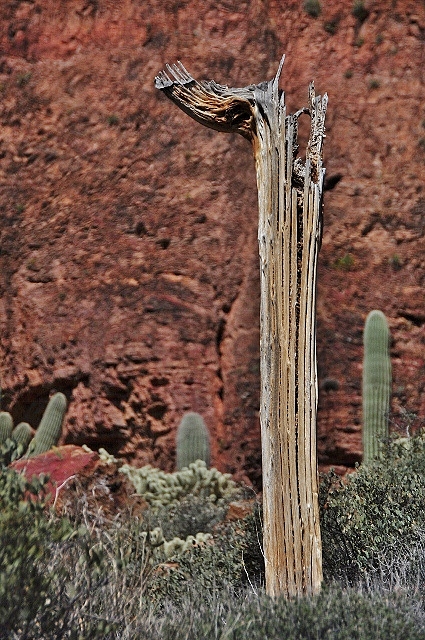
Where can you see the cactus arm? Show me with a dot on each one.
(6, 426)
(50, 428)
(22, 434)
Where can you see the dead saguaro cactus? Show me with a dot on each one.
(289, 233)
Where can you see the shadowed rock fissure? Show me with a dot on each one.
(218, 344)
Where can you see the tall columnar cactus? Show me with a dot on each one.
(376, 384)
(6, 426)
(50, 428)
(193, 442)
(22, 434)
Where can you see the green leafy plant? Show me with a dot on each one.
(230, 557)
(192, 442)
(376, 383)
(396, 262)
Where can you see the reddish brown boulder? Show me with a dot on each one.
(61, 464)
(80, 482)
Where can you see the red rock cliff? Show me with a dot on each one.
(128, 265)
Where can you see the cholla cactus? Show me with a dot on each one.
(376, 384)
(193, 442)
(175, 547)
(50, 428)
(160, 488)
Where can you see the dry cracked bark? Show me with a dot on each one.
(289, 233)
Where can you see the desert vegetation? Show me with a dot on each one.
(77, 572)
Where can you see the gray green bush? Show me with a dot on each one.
(335, 614)
(187, 516)
(26, 536)
(115, 578)
(376, 514)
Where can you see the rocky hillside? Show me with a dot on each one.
(128, 257)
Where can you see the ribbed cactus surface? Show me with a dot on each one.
(50, 428)
(193, 442)
(22, 434)
(376, 384)
(6, 426)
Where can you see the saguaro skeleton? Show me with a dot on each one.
(289, 234)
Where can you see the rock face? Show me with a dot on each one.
(129, 265)
(80, 480)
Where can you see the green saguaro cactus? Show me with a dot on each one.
(22, 434)
(50, 427)
(193, 442)
(376, 383)
(6, 426)
(6, 423)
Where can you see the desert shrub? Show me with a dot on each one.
(335, 614)
(231, 559)
(375, 515)
(48, 567)
(106, 577)
(90, 585)
(106, 574)
(109, 582)
(26, 537)
(120, 583)
(9, 451)
(187, 517)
